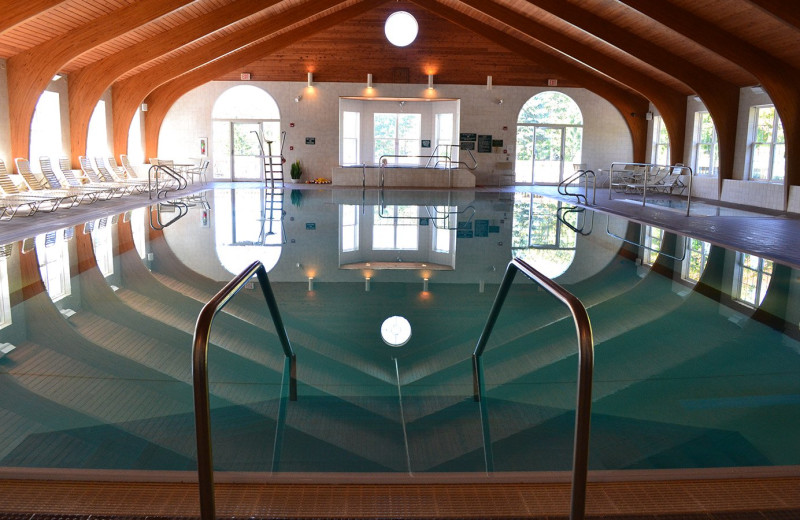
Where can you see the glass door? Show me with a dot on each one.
(246, 163)
(548, 150)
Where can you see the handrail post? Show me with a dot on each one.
(202, 413)
(583, 411)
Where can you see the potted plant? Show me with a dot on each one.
(296, 171)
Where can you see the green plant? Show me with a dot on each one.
(296, 197)
(296, 170)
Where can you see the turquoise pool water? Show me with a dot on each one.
(684, 377)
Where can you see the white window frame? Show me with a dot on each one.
(5, 295)
(411, 143)
(53, 261)
(657, 157)
(351, 134)
(103, 247)
(763, 275)
(701, 254)
(713, 146)
(393, 220)
(775, 147)
(652, 240)
(348, 216)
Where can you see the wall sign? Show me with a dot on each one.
(484, 144)
(426, 143)
(311, 140)
(466, 137)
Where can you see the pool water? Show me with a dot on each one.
(684, 378)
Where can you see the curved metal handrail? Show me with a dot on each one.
(580, 458)
(153, 174)
(202, 333)
(564, 185)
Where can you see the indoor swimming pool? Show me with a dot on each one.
(99, 317)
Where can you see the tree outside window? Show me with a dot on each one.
(753, 276)
(706, 148)
(696, 258)
(398, 137)
(768, 154)
(660, 141)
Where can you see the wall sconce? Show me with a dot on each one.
(488, 83)
(366, 283)
(424, 285)
(298, 98)
(310, 283)
(310, 79)
(369, 80)
(430, 81)
(498, 101)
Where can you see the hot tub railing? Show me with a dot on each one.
(583, 410)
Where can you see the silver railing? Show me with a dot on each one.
(632, 178)
(563, 186)
(158, 171)
(583, 410)
(202, 413)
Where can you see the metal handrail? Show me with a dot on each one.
(643, 246)
(183, 210)
(563, 185)
(153, 173)
(583, 327)
(202, 414)
(647, 168)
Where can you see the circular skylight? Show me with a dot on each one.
(396, 331)
(401, 28)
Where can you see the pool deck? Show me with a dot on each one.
(735, 495)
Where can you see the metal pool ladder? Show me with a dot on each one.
(202, 332)
(585, 367)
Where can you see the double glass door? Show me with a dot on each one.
(542, 152)
(238, 154)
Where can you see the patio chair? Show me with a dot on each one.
(12, 200)
(109, 176)
(73, 181)
(95, 179)
(93, 193)
(38, 187)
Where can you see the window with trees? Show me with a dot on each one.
(752, 278)
(695, 261)
(549, 137)
(706, 148)
(395, 227)
(768, 145)
(660, 141)
(398, 137)
(653, 240)
(543, 233)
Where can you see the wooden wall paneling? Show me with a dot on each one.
(87, 85)
(786, 11)
(629, 104)
(128, 94)
(31, 282)
(16, 12)
(167, 94)
(29, 72)
(720, 97)
(670, 103)
(779, 79)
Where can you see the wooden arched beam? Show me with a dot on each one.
(786, 11)
(630, 104)
(87, 85)
(128, 94)
(670, 103)
(720, 96)
(30, 71)
(16, 12)
(779, 79)
(162, 99)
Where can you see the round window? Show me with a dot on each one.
(396, 331)
(401, 28)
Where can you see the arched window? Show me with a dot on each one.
(46, 128)
(543, 233)
(245, 118)
(549, 136)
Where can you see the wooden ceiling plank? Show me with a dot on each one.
(670, 103)
(165, 95)
(779, 79)
(128, 94)
(29, 72)
(16, 12)
(88, 84)
(786, 12)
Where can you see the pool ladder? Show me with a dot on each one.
(580, 460)
(202, 414)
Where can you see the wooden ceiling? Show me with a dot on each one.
(631, 52)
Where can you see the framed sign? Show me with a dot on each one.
(311, 140)
(484, 144)
(204, 146)
(467, 145)
(466, 137)
(426, 143)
